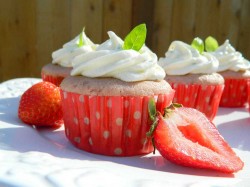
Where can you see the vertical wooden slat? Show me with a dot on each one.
(18, 52)
(143, 11)
(244, 33)
(207, 19)
(53, 29)
(229, 21)
(88, 14)
(183, 20)
(161, 38)
(117, 17)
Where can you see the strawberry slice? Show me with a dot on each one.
(186, 137)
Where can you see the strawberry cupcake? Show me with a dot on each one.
(61, 65)
(235, 69)
(192, 74)
(105, 100)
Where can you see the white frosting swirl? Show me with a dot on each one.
(110, 60)
(230, 59)
(70, 50)
(182, 59)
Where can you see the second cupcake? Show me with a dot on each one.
(61, 64)
(191, 73)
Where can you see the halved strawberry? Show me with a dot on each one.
(186, 137)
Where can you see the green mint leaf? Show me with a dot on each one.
(198, 44)
(136, 38)
(81, 43)
(211, 44)
(152, 109)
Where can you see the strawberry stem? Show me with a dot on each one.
(171, 108)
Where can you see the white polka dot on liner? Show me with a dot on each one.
(109, 103)
(77, 139)
(118, 151)
(128, 133)
(137, 115)
(175, 85)
(144, 141)
(207, 99)
(90, 141)
(97, 115)
(118, 121)
(86, 120)
(75, 120)
(105, 134)
(126, 104)
(64, 95)
(81, 98)
(160, 99)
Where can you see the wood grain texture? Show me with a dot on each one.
(52, 28)
(117, 17)
(30, 30)
(88, 14)
(162, 26)
(143, 11)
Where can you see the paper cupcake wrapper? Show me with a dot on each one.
(235, 93)
(203, 98)
(248, 94)
(56, 80)
(110, 125)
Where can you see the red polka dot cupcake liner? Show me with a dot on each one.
(235, 93)
(56, 80)
(110, 125)
(248, 94)
(201, 97)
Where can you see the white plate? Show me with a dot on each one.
(44, 157)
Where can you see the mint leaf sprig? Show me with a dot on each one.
(136, 38)
(210, 44)
(198, 44)
(81, 42)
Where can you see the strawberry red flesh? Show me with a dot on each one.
(194, 141)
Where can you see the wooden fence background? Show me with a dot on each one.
(30, 30)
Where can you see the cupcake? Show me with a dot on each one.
(248, 94)
(235, 69)
(105, 100)
(193, 76)
(61, 65)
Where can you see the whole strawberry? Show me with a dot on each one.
(40, 105)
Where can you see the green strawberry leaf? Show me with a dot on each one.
(136, 38)
(152, 109)
(211, 44)
(80, 42)
(198, 44)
